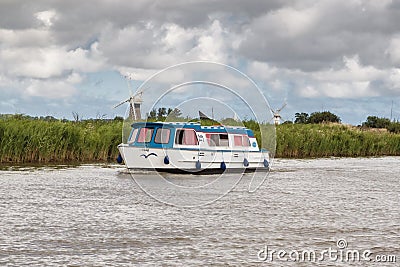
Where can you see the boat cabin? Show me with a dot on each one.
(180, 135)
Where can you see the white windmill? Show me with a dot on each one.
(277, 116)
(135, 102)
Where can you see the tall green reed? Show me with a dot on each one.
(28, 141)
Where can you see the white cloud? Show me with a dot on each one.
(347, 90)
(46, 17)
(150, 46)
(211, 44)
(313, 35)
(350, 72)
(309, 91)
(24, 38)
(138, 74)
(394, 80)
(50, 89)
(350, 80)
(393, 51)
(343, 49)
(47, 62)
(74, 78)
(261, 69)
(177, 38)
(4, 81)
(289, 21)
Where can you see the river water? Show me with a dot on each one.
(97, 215)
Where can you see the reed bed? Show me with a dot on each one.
(334, 140)
(40, 141)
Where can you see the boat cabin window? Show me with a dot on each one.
(241, 140)
(162, 136)
(246, 141)
(217, 139)
(133, 136)
(145, 135)
(186, 137)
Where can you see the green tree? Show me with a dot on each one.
(118, 118)
(394, 127)
(161, 114)
(376, 122)
(174, 113)
(301, 117)
(323, 117)
(152, 115)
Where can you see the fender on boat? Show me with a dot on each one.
(198, 165)
(223, 166)
(119, 159)
(246, 162)
(266, 163)
(166, 160)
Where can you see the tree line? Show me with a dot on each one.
(382, 123)
(328, 117)
(162, 113)
(317, 117)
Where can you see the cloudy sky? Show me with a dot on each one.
(59, 57)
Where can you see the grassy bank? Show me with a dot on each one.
(40, 141)
(326, 140)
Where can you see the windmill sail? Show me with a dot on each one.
(277, 116)
(284, 105)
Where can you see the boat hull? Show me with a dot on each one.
(199, 172)
(195, 161)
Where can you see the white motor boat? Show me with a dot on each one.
(191, 148)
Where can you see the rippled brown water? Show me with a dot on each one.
(97, 216)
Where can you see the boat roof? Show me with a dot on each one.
(198, 127)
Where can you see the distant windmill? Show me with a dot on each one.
(277, 116)
(391, 112)
(236, 117)
(135, 102)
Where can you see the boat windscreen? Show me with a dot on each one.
(133, 136)
(145, 135)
